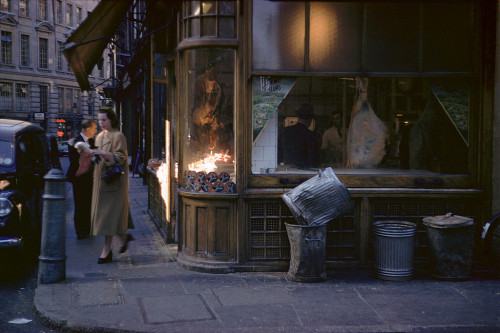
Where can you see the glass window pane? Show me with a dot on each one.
(447, 36)
(208, 145)
(278, 35)
(208, 7)
(44, 98)
(334, 36)
(22, 97)
(61, 99)
(43, 51)
(419, 125)
(194, 28)
(226, 7)
(6, 96)
(226, 28)
(6, 47)
(24, 8)
(195, 8)
(208, 26)
(25, 50)
(394, 45)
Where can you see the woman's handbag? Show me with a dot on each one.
(114, 172)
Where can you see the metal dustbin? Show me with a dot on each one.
(451, 243)
(394, 243)
(307, 252)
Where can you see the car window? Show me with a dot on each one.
(24, 160)
(34, 153)
(6, 153)
(42, 153)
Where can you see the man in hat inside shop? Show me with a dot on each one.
(299, 142)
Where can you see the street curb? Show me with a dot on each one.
(53, 320)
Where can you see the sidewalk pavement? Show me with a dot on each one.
(144, 290)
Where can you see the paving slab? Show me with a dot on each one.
(145, 290)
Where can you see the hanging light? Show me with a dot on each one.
(109, 90)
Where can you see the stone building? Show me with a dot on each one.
(36, 82)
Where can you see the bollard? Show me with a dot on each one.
(52, 259)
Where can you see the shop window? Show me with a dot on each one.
(394, 45)
(278, 37)
(415, 125)
(209, 19)
(208, 130)
(363, 36)
(448, 40)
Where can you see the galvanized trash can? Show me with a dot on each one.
(319, 200)
(307, 252)
(394, 243)
(451, 243)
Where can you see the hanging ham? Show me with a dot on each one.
(367, 133)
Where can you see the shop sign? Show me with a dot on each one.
(39, 116)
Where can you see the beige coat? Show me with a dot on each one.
(110, 202)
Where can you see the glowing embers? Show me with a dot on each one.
(208, 164)
(202, 176)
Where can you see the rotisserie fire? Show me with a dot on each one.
(208, 164)
(202, 175)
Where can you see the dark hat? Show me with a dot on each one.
(305, 111)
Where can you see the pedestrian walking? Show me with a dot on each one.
(110, 200)
(80, 175)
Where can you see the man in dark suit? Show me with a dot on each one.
(299, 142)
(82, 184)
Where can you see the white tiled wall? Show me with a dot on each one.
(265, 148)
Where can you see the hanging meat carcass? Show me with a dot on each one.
(367, 133)
(207, 98)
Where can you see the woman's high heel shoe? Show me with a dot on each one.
(105, 260)
(127, 239)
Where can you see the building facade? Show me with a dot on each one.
(36, 81)
(397, 97)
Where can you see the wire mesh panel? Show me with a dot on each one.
(268, 237)
(341, 244)
(269, 240)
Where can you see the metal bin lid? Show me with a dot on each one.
(448, 221)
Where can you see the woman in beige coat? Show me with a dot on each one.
(110, 201)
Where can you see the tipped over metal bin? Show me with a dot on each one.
(307, 252)
(394, 243)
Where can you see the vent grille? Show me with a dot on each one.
(415, 210)
(269, 240)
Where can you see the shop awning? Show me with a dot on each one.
(85, 45)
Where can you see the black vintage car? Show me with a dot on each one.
(24, 160)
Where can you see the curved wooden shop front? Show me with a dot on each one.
(398, 103)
